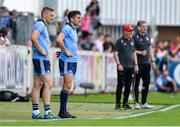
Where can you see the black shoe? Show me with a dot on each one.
(71, 115)
(66, 115)
(126, 106)
(118, 106)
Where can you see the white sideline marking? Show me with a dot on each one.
(135, 115)
(121, 117)
(145, 113)
(169, 108)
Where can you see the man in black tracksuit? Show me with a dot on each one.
(145, 60)
(126, 60)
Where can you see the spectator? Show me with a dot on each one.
(94, 10)
(167, 45)
(3, 37)
(88, 44)
(52, 33)
(164, 83)
(13, 24)
(5, 18)
(108, 46)
(65, 19)
(99, 43)
(161, 57)
(175, 49)
(86, 24)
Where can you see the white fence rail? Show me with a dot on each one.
(15, 68)
(17, 71)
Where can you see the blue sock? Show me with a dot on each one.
(63, 100)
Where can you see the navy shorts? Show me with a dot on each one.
(67, 68)
(41, 67)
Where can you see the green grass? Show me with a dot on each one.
(153, 98)
(99, 106)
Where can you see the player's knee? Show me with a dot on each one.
(67, 87)
(38, 85)
(50, 85)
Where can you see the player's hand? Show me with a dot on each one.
(120, 67)
(153, 64)
(136, 69)
(144, 52)
(44, 53)
(68, 53)
(58, 54)
(178, 46)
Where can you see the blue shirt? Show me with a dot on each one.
(70, 43)
(5, 21)
(43, 40)
(163, 80)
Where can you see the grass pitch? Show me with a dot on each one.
(96, 110)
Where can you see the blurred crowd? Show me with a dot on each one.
(8, 21)
(165, 52)
(90, 39)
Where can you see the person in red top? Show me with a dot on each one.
(86, 24)
(175, 49)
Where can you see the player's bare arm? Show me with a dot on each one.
(136, 68)
(34, 40)
(153, 64)
(119, 66)
(60, 40)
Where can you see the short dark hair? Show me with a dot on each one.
(4, 31)
(73, 13)
(46, 9)
(107, 35)
(139, 23)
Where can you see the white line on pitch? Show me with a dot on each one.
(150, 112)
(121, 117)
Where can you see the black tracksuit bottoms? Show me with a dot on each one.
(124, 79)
(144, 73)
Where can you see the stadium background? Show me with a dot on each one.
(16, 73)
(163, 17)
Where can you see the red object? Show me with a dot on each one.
(128, 28)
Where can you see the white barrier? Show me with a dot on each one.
(16, 70)
(98, 69)
(15, 66)
(90, 69)
(110, 73)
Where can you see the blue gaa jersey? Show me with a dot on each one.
(43, 40)
(70, 43)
